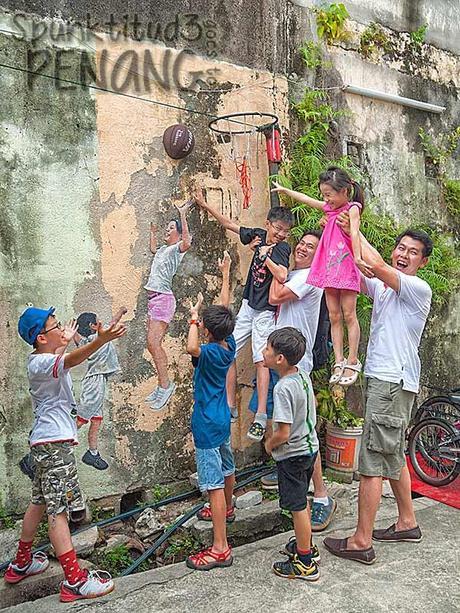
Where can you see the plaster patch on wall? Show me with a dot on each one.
(120, 278)
(123, 452)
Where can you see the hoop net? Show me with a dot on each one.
(236, 132)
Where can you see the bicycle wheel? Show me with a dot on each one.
(440, 407)
(434, 450)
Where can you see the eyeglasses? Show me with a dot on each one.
(58, 326)
(279, 229)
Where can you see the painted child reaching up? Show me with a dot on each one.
(101, 365)
(337, 264)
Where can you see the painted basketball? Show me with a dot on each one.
(178, 141)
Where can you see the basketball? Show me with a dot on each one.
(178, 141)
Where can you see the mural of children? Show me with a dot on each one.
(101, 365)
(161, 300)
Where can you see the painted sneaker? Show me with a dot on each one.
(293, 568)
(95, 583)
(94, 460)
(163, 397)
(37, 565)
(291, 549)
(321, 514)
(151, 397)
(27, 466)
(270, 482)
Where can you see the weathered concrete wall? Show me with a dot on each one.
(84, 174)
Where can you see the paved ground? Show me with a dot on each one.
(406, 577)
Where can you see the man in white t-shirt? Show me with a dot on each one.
(401, 306)
(299, 306)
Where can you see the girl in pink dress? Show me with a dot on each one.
(337, 264)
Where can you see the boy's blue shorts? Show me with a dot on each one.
(274, 378)
(213, 465)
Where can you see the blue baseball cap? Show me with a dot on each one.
(31, 322)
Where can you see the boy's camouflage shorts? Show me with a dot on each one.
(56, 479)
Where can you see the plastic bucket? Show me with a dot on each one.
(342, 448)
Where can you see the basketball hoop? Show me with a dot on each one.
(235, 131)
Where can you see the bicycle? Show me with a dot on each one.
(445, 405)
(434, 450)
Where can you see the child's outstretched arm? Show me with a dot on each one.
(278, 271)
(153, 237)
(186, 241)
(226, 222)
(104, 335)
(193, 339)
(316, 204)
(224, 266)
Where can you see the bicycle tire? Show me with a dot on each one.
(437, 407)
(417, 446)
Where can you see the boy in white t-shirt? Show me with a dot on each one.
(55, 488)
(401, 304)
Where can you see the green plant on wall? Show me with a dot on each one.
(373, 40)
(438, 152)
(310, 53)
(330, 22)
(418, 36)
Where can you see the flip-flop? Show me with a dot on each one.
(338, 547)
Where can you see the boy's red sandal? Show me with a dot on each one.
(205, 514)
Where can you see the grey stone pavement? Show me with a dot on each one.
(406, 577)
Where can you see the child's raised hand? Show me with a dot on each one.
(195, 308)
(183, 208)
(198, 197)
(115, 330)
(225, 262)
(278, 188)
(69, 330)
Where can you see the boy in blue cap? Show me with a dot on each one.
(55, 488)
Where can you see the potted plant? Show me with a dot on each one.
(343, 428)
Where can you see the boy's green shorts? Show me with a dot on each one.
(56, 480)
(387, 415)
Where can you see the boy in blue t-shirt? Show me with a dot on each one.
(211, 419)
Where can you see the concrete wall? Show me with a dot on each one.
(84, 173)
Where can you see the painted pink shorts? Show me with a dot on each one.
(161, 307)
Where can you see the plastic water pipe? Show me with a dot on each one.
(394, 98)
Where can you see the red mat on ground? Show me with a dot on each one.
(447, 494)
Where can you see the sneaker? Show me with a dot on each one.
(27, 466)
(270, 482)
(94, 460)
(94, 584)
(163, 396)
(256, 432)
(321, 514)
(151, 397)
(38, 564)
(293, 568)
(291, 549)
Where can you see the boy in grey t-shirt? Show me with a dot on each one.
(294, 446)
